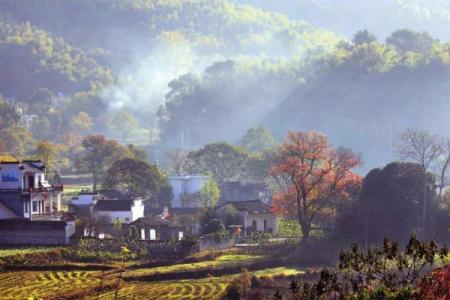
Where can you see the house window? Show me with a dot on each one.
(254, 224)
(31, 181)
(26, 207)
(152, 234)
(127, 219)
(265, 224)
(35, 206)
(142, 233)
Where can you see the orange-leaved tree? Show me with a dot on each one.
(315, 177)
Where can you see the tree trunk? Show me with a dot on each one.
(306, 229)
(94, 181)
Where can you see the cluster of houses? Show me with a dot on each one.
(31, 210)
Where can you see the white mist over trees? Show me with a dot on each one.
(181, 74)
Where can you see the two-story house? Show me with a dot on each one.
(30, 207)
(25, 192)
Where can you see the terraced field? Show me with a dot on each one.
(22, 251)
(222, 261)
(21, 285)
(210, 288)
(50, 284)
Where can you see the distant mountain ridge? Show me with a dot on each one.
(379, 16)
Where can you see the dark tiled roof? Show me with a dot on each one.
(173, 210)
(252, 206)
(243, 186)
(151, 221)
(112, 194)
(113, 205)
(83, 209)
(16, 224)
(32, 165)
(27, 165)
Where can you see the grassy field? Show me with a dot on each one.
(72, 190)
(58, 284)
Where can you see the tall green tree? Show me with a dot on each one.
(209, 193)
(223, 161)
(258, 139)
(81, 123)
(98, 154)
(8, 114)
(16, 140)
(136, 177)
(47, 153)
(391, 204)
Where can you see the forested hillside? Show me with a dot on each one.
(380, 17)
(107, 56)
(184, 73)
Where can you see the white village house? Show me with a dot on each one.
(110, 204)
(25, 193)
(123, 211)
(30, 207)
(185, 190)
(254, 214)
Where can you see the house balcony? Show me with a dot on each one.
(48, 216)
(54, 188)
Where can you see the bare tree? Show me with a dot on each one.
(419, 146)
(442, 166)
(424, 148)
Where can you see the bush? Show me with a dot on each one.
(289, 228)
(259, 237)
(218, 236)
(380, 273)
(436, 284)
(213, 225)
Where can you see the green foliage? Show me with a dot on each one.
(378, 273)
(136, 177)
(47, 153)
(231, 27)
(223, 161)
(81, 123)
(258, 139)
(98, 154)
(213, 226)
(288, 228)
(16, 140)
(44, 61)
(8, 114)
(395, 191)
(209, 193)
(258, 237)
(105, 250)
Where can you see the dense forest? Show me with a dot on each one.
(380, 17)
(166, 74)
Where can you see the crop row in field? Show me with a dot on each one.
(221, 261)
(20, 251)
(24, 284)
(210, 288)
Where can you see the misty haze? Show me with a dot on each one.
(224, 149)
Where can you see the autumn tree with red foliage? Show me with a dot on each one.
(316, 177)
(436, 285)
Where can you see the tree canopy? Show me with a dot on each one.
(136, 177)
